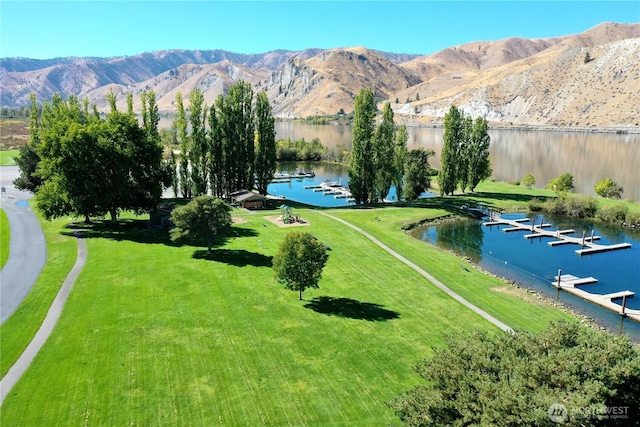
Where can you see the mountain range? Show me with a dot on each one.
(586, 79)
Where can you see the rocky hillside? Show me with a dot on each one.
(518, 81)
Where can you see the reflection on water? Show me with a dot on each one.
(534, 263)
(589, 157)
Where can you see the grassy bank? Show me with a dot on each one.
(18, 330)
(159, 333)
(4, 238)
(7, 157)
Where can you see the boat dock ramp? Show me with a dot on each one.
(561, 236)
(571, 283)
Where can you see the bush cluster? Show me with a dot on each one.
(299, 150)
(586, 207)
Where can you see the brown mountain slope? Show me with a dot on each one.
(553, 87)
(329, 81)
(212, 79)
(520, 81)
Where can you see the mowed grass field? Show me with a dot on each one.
(4, 238)
(155, 333)
(7, 157)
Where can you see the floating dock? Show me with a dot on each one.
(570, 283)
(537, 231)
(331, 188)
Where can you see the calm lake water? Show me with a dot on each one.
(589, 157)
(534, 263)
(295, 190)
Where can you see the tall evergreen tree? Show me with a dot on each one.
(265, 162)
(399, 159)
(383, 153)
(185, 147)
(453, 135)
(361, 166)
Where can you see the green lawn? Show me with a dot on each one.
(4, 238)
(7, 157)
(161, 334)
(18, 330)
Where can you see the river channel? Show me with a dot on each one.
(588, 156)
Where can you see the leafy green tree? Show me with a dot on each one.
(400, 159)
(91, 167)
(216, 151)
(300, 261)
(28, 158)
(239, 123)
(172, 172)
(529, 180)
(198, 143)
(608, 188)
(521, 379)
(463, 158)
(587, 57)
(561, 185)
(180, 123)
(265, 162)
(453, 135)
(417, 178)
(383, 153)
(361, 167)
(204, 218)
(478, 163)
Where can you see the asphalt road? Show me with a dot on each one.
(27, 249)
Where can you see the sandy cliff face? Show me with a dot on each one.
(512, 81)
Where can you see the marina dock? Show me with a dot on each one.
(331, 188)
(562, 236)
(570, 283)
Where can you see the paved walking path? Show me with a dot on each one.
(429, 277)
(27, 248)
(15, 372)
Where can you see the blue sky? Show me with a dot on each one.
(49, 29)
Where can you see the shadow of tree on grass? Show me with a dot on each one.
(235, 257)
(353, 309)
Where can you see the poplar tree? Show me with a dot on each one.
(399, 159)
(198, 152)
(453, 135)
(384, 152)
(361, 167)
(478, 153)
(180, 124)
(216, 155)
(265, 162)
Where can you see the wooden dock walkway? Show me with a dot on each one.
(537, 231)
(570, 283)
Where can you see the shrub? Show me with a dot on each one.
(535, 205)
(633, 219)
(581, 207)
(555, 206)
(615, 214)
